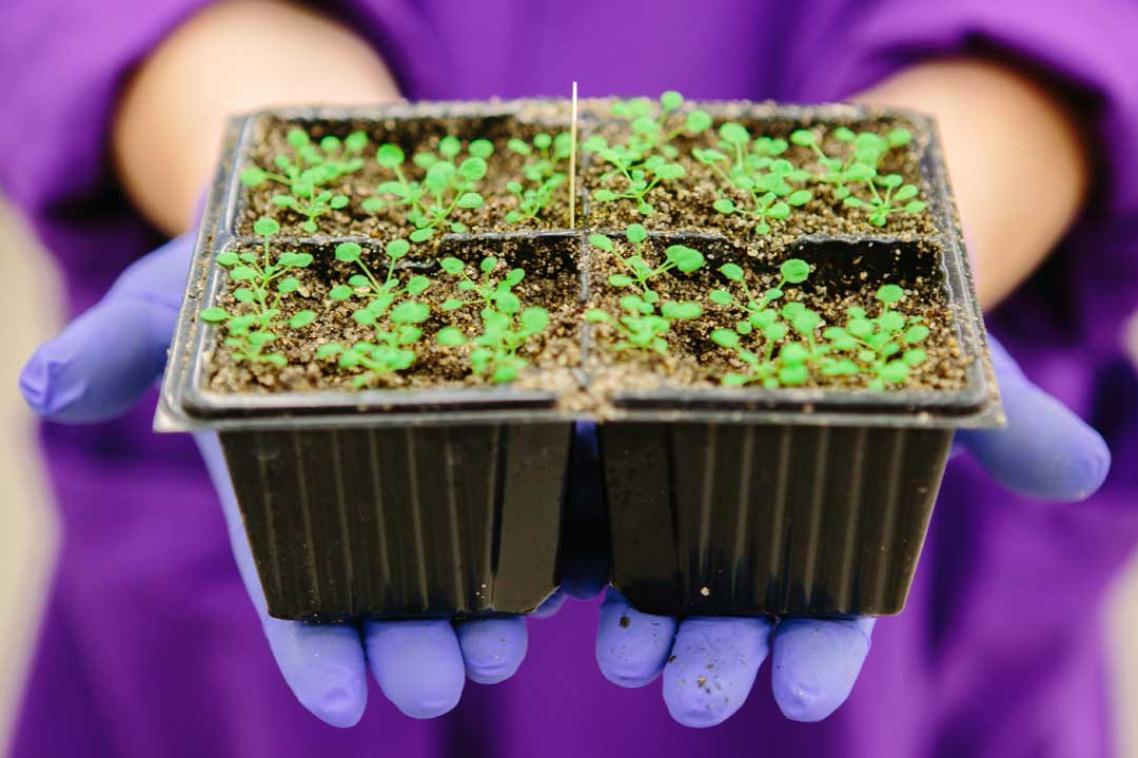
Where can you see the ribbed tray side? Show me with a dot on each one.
(747, 519)
(366, 522)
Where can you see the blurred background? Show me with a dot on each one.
(29, 313)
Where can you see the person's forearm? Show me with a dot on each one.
(1015, 156)
(232, 57)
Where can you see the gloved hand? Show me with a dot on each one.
(99, 367)
(1045, 452)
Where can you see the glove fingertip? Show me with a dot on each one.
(323, 666)
(418, 665)
(632, 647)
(492, 649)
(815, 665)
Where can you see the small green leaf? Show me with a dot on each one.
(890, 293)
(734, 134)
(253, 176)
(732, 271)
(671, 100)
(724, 205)
(802, 137)
(470, 200)
(914, 357)
(795, 270)
(894, 372)
(214, 315)
(416, 285)
(488, 264)
(725, 338)
(452, 266)
(328, 350)
(340, 292)
(228, 258)
(721, 297)
(266, 227)
(390, 156)
(916, 334)
(534, 320)
(620, 280)
(601, 242)
(348, 252)
(481, 148)
(799, 198)
(410, 313)
(636, 233)
(685, 258)
(597, 316)
(450, 336)
(794, 375)
(681, 311)
(288, 285)
(302, 319)
(900, 137)
(421, 235)
(397, 248)
(452, 304)
(697, 121)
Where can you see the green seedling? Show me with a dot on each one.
(859, 168)
(308, 171)
(265, 278)
(763, 329)
(645, 320)
(755, 169)
(447, 184)
(895, 197)
(647, 158)
(887, 346)
(506, 325)
(544, 173)
(391, 310)
(783, 347)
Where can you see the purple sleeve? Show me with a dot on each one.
(1088, 47)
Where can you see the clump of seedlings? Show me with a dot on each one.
(647, 157)
(309, 171)
(645, 318)
(858, 169)
(447, 184)
(264, 279)
(767, 185)
(785, 346)
(544, 173)
(506, 325)
(391, 311)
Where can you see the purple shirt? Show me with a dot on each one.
(150, 647)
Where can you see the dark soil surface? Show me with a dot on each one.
(412, 136)
(551, 281)
(906, 252)
(694, 360)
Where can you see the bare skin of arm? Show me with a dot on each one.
(231, 57)
(1005, 137)
(1005, 140)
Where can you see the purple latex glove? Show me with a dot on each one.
(99, 367)
(709, 664)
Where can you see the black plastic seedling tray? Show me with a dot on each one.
(720, 500)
